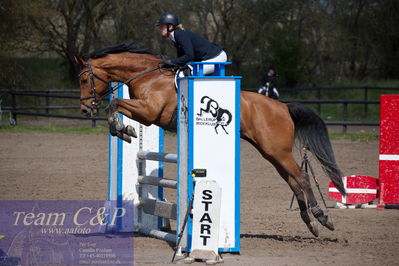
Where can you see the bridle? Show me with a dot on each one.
(97, 99)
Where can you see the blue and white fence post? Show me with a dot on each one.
(209, 138)
(125, 168)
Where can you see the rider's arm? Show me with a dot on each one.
(184, 46)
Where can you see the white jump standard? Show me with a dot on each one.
(208, 138)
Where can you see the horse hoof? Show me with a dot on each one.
(322, 218)
(329, 224)
(131, 131)
(125, 137)
(313, 228)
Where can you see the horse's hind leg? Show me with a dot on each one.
(317, 212)
(302, 179)
(278, 152)
(300, 196)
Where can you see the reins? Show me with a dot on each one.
(111, 90)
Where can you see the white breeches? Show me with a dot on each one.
(209, 69)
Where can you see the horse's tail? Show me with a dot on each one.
(312, 132)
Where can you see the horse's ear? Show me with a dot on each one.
(80, 61)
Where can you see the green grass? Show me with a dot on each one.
(356, 112)
(369, 83)
(55, 129)
(361, 136)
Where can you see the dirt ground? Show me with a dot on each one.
(45, 166)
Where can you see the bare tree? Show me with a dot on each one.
(309, 41)
(64, 27)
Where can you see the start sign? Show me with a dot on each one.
(206, 219)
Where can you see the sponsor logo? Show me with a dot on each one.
(215, 115)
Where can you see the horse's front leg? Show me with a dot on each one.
(116, 126)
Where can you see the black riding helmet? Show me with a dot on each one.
(168, 18)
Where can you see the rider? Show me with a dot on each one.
(190, 47)
(269, 81)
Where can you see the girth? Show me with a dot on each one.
(172, 125)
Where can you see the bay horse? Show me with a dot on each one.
(269, 125)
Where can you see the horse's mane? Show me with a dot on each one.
(126, 46)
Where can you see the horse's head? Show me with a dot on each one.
(93, 83)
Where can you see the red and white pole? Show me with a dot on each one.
(389, 150)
